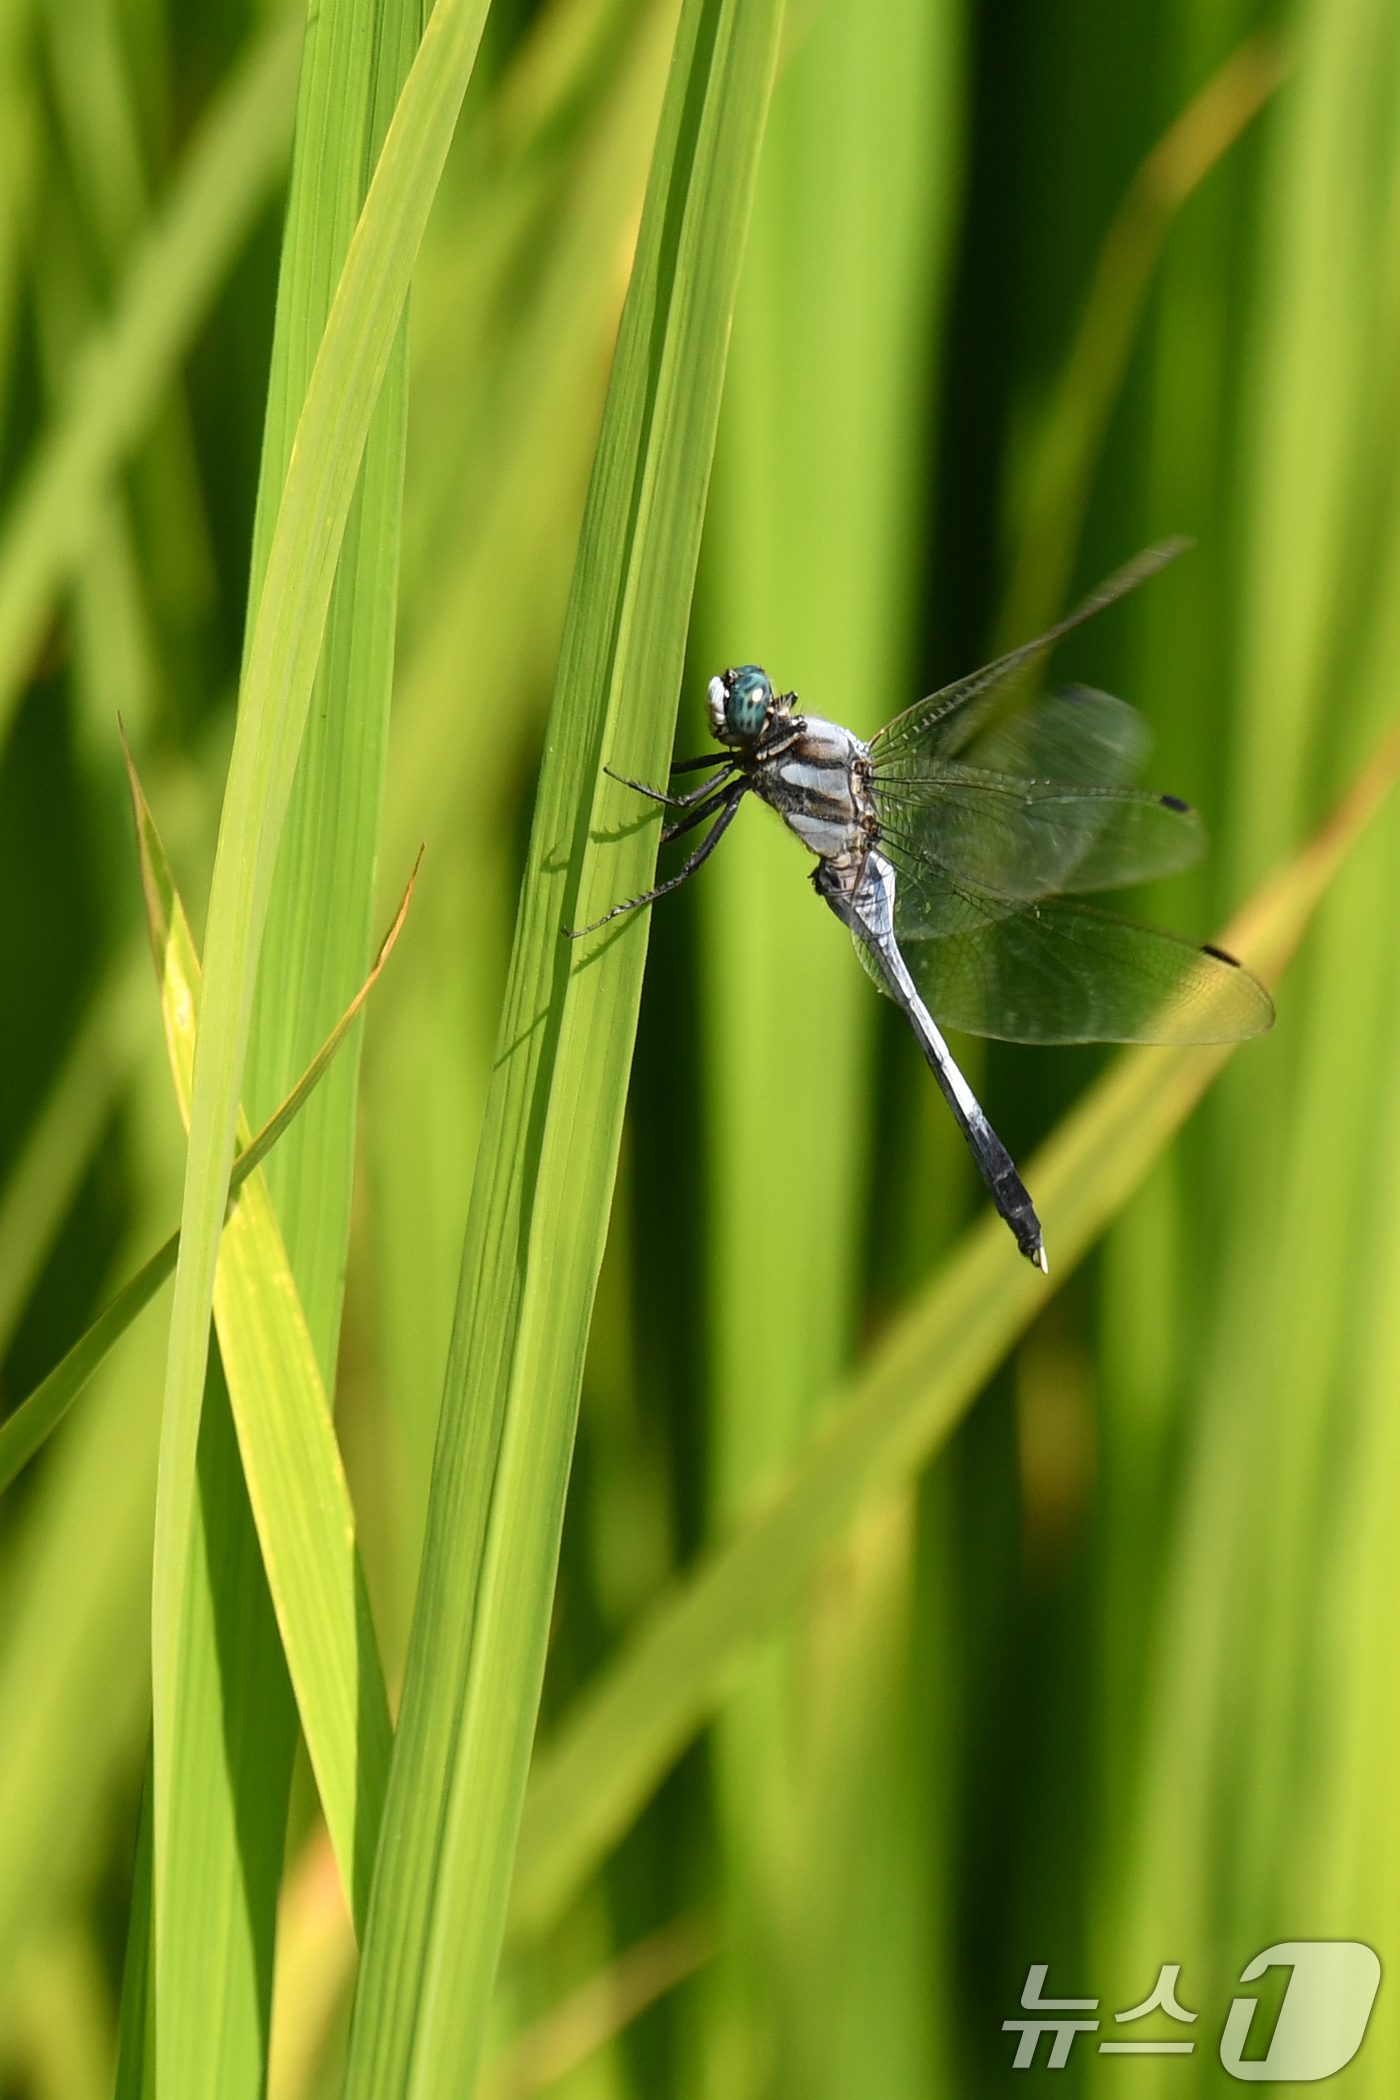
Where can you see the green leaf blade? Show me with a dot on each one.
(228, 177)
(548, 1157)
(296, 1483)
(306, 1528)
(322, 474)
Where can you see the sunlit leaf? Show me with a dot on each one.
(291, 1460)
(553, 1120)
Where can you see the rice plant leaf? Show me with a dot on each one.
(233, 1746)
(1269, 1584)
(590, 1783)
(855, 207)
(28, 1426)
(571, 2030)
(322, 473)
(74, 1674)
(258, 1147)
(65, 1133)
(306, 1528)
(553, 1120)
(33, 1422)
(493, 502)
(228, 175)
(136, 2020)
(318, 939)
(296, 1483)
(227, 1798)
(1068, 439)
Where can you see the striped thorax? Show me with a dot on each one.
(815, 774)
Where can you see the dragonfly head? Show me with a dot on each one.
(740, 704)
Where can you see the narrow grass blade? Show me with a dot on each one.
(357, 56)
(227, 178)
(33, 1422)
(296, 1483)
(228, 1784)
(1065, 448)
(315, 1968)
(145, 581)
(591, 1782)
(841, 303)
(1257, 1739)
(258, 1147)
(136, 2022)
(516, 460)
(568, 2033)
(65, 1133)
(316, 945)
(74, 1678)
(98, 121)
(28, 1427)
(22, 170)
(553, 1121)
(506, 423)
(323, 470)
(306, 1528)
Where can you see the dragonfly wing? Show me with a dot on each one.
(1074, 734)
(945, 723)
(1063, 972)
(1017, 839)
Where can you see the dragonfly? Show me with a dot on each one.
(959, 845)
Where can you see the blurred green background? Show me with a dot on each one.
(1113, 1684)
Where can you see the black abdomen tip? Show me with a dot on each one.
(1174, 802)
(1220, 955)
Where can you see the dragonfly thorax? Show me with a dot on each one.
(816, 775)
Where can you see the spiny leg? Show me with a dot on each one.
(697, 859)
(672, 801)
(696, 765)
(716, 801)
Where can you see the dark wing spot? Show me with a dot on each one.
(1175, 802)
(1220, 955)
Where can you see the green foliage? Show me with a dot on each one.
(553, 1115)
(609, 1336)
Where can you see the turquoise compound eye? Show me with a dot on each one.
(749, 698)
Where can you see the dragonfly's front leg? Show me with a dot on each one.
(714, 799)
(729, 807)
(678, 801)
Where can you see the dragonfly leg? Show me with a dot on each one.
(672, 801)
(697, 765)
(697, 860)
(717, 800)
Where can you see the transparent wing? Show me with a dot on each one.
(1074, 733)
(943, 725)
(1018, 839)
(1064, 972)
